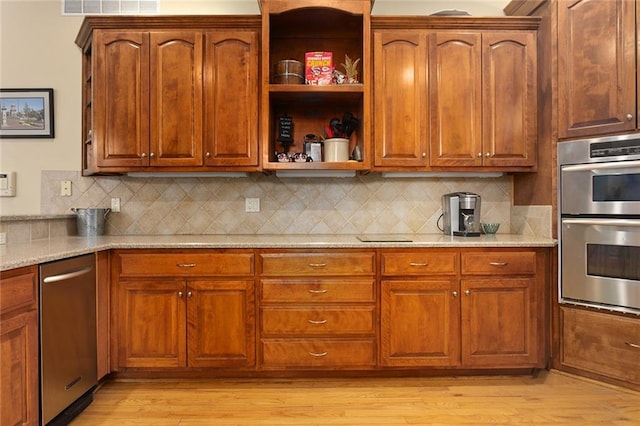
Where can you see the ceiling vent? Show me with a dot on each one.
(109, 7)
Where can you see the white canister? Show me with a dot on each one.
(336, 149)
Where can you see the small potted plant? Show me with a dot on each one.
(351, 69)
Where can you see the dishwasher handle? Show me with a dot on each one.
(67, 276)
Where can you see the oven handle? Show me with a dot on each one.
(602, 166)
(606, 222)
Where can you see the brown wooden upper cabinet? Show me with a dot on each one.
(455, 94)
(596, 67)
(169, 94)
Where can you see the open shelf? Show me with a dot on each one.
(288, 33)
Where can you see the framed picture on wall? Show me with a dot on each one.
(26, 113)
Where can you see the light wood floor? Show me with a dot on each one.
(551, 398)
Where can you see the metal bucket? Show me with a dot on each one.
(90, 221)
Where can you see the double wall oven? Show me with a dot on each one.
(599, 223)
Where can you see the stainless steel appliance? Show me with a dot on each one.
(599, 223)
(461, 214)
(68, 364)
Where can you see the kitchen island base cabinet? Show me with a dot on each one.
(19, 347)
(199, 314)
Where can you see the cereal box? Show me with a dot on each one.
(318, 68)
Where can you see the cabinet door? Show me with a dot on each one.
(499, 322)
(151, 324)
(231, 98)
(19, 369)
(121, 98)
(176, 98)
(596, 67)
(420, 323)
(220, 324)
(400, 94)
(455, 99)
(509, 100)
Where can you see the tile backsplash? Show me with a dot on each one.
(361, 204)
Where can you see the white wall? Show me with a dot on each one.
(37, 50)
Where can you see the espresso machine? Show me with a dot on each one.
(461, 214)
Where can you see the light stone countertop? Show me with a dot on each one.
(41, 251)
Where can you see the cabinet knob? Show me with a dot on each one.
(467, 292)
(455, 294)
(208, 155)
(189, 294)
(629, 117)
(180, 294)
(151, 155)
(424, 155)
(488, 154)
(479, 155)
(143, 155)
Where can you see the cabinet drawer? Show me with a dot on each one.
(19, 289)
(339, 320)
(185, 264)
(497, 263)
(601, 343)
(318, 353)
(317, 264)
(314, 291)
(419, 263)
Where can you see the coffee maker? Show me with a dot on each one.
(461, 214)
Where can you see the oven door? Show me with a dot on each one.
(600, 263)
(601, 188)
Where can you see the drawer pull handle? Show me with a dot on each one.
(317, 321)
(323, 291)
(317, 265)
(498, 263)
(419, 265)
(186, 265)
(633, 345)
(318, 354)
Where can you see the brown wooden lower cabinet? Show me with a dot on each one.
(317, 310)
(603, 345)
(463, 308)
(19, 347)
(184, 320)
(343, 309)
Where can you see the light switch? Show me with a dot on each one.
(7, 184)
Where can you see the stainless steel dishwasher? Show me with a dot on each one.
(68, 364)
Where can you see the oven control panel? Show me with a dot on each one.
(615, 148)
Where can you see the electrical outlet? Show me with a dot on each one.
(252, 205)
(115, 205)
(65, 188)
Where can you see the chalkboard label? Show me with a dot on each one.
(285, 130)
